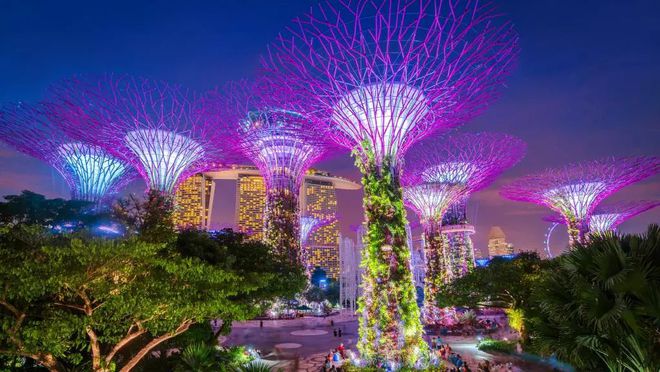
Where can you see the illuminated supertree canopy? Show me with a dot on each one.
(608, 217)
(382, 75)
(92, 174)
(282, 144)
(430, 201)
(468, 161)
(159, 128)
(575, 190)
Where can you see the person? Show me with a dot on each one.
(327, 367)
(332, 323)
(334, 332)
(335, 356)
(342, 350)
(261, 324)
(339, 332)
(433, 344)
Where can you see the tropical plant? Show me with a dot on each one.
(69, 299)
(34, 209)
(489, 344)
(601, 308)
(150, 219)
(254, 366)
(198, 357)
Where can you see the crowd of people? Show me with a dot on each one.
(335, 359)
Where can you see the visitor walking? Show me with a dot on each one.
(339, 332)
(334, 332)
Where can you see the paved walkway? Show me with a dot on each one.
(302, 344)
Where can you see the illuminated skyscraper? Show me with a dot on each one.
(250, 205)
(320, 200)
(193, 199)
(497, 244)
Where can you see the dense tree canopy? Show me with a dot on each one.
(600, 309)
(67, 299)
(35, 209)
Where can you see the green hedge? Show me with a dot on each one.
(488, 344)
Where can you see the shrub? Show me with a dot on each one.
(489, 344)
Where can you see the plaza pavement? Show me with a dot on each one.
(302, 344)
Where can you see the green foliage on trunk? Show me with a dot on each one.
(391, 327)
(281, 223)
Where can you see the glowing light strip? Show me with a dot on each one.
(164, 155)
(451, 172)
(575, 199)
(94, 171)
(430, 201)
(382, 114)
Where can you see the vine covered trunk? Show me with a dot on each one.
(437, 273)
(576, 232)
(281, 223)
(390, 329)
(460, 253)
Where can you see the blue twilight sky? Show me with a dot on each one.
(587, 85)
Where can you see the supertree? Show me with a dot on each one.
(159, 128)
(575, 190)
(92, 174)
(470, 161)
(282, 144)
(608, 217)
(430, 201)
(382, 75)
(309, 224)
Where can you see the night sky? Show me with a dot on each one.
(587, 85)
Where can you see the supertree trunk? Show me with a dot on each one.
(460, 252)
(391, 327)
(437, 268)
(576, 232)
(281, 223)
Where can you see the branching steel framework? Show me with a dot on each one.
(575, 190)
(382, 75)
(608, 217)
(92, 174)
(468, 161)
(160, 128)
(282, 144)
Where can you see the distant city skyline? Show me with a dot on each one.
(586, 87)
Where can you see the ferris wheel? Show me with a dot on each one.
(548, 234)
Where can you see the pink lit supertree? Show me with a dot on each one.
(382, 75)
(469, 161)
(575, 190)
(430, 201)
(282, 144)
(606, 218)
(159, 128)
(92, 174)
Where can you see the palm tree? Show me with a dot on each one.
(600, 309)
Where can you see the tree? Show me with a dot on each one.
(66, 299)
(601, 308)
(504, 283)
(34, 209)
(151, 219)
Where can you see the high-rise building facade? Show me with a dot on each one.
(319, 200)
(497, 244)
(250, 204)
(192, 201)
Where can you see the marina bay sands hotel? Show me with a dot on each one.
(194, 201)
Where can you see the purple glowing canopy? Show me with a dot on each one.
(608, 217)
(470, 160)
(91, 173)
(158, 127)
(387, 73)
(575, 190)
(281, 142)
